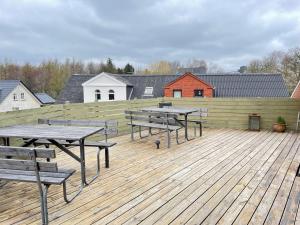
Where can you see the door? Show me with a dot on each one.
(177, 93)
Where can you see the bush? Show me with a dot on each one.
(280, 120)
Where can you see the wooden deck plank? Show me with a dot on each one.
(197, 178)
(252, 204)
(184, 199)
(201, 207)
(226, 176)
(181, 166)
(134, 176)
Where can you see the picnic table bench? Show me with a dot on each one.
(110, 128)
(54, 134)
(157, 120)
(198, 119)
(25, 165)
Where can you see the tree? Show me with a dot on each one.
(161, 67)
(198, 63)
(110, 67)
(128, 69)
(120, 71)
(242, 69)
(214, 68)
(286, 63)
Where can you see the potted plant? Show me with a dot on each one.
(280, 125)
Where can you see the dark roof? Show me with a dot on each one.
(226, 85)
(6, 87)
(45, 98)
(73, 90)
(120, 78)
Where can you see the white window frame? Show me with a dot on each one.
(15, 97)
(22, 96)
(97, 95)
(111, 93)
(148, 91)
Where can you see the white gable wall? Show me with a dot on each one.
(104, 83)
(29, 101)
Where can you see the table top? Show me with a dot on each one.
(175, 110)
(49, 132)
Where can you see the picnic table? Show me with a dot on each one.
(175, 110)
(53, 134)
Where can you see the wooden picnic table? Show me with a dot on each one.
(53, 134)
(175, 110)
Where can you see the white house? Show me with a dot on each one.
(106, 87)
(14, 95)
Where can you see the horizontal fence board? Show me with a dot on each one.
(222, 112)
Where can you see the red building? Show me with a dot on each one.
(296, 92)
(188, 85)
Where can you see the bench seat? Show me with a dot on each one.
(154, 125)
(57, 178)
(101, 144)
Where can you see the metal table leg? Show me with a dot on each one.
(82, 163)
(186, 127)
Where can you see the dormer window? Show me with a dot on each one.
(97, 95)
(148, 91)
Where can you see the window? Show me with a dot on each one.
(22, 96)
(15, 97)
(177, 93)
(97, 95)
(148, 91)
(198, 93)
(111, 95)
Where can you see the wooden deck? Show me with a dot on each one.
(225, 177)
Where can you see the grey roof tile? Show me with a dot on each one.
(226, 85)
(45, 98)
(6, 87)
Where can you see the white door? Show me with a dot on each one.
(177, 93)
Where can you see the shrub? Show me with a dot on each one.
(280, 120)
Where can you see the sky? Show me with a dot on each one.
(228, 33)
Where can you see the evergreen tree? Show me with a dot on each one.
(110, 67)
(119, 71)
(128, 69)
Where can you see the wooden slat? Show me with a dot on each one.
(26, 153)
(27, 165)
(155, 114)
(28, 178)
(76, 143)
(154, 125)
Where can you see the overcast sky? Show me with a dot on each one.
(229, 33)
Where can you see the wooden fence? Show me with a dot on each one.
(223, 112)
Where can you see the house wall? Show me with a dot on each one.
(104, 83)
(29, 101)
(89, 93)
(187, 85)
(296, 92)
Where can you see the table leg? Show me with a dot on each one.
(7, 142)
(82, 163)
(186, 127)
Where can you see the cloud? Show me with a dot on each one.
(141, 32)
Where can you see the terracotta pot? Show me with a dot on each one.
(277, 127)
